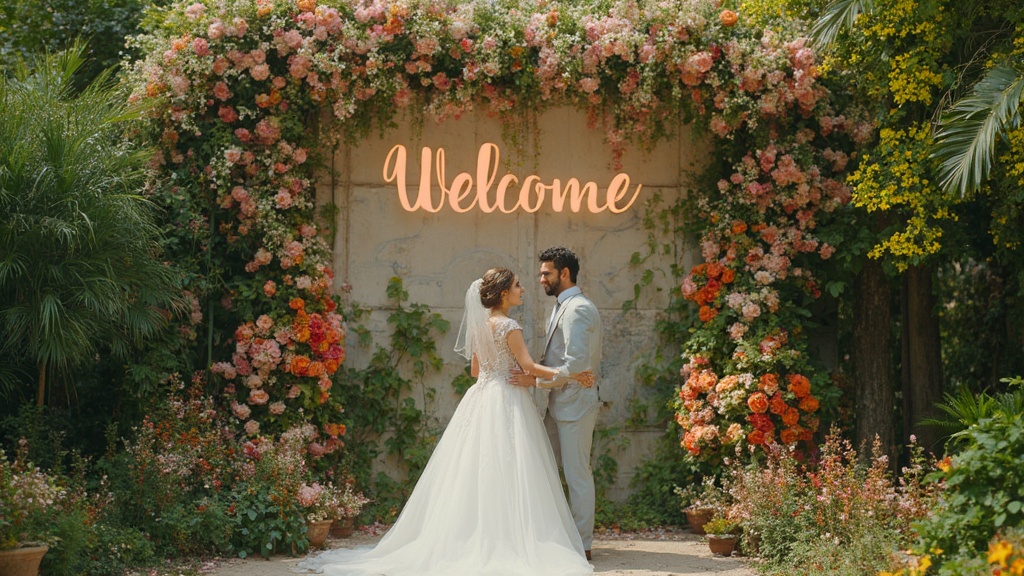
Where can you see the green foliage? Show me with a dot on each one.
(721, 526)
(80, 273)
(28, 27)
(967, 137)
(965, 409)
(982, 317)
(171, 481)
(654, 499)
(983, 489)
(379, 403)
(266, 523)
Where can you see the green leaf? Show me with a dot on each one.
(1014, 507)
(967, 135)
(838, 15)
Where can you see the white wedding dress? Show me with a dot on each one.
(489, 502)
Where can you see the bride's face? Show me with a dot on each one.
(515, 293)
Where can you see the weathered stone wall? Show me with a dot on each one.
(439, 254)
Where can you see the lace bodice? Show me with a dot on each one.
(506, 361)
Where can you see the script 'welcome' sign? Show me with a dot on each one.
(466, 192)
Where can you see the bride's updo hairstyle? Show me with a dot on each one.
(495, 282)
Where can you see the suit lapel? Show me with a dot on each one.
(558, 318)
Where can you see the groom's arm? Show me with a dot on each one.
(578, 326)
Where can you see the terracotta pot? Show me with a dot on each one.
(316, 532)
(21, 561)
(722, 545)
(343, 527)
(697, 518)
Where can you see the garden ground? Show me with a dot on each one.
(660, 553)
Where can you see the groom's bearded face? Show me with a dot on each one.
(550, 279)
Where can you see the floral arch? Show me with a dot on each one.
(238, 89)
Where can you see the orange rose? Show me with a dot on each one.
(790, 435)
(809, 404)
(791, 417)
(728, 276)
(331, 365)
(706, 380)
(778, 405)
(707, 313)
(687, 392)
(296, 304)
(316, 369)
(306, 5)
(769, 383)
(728, 18)
(299, 365)
(715, 270)
(756, 437)
(758, 403)
(799, 385)
(739, 227)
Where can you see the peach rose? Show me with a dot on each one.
(758, 403)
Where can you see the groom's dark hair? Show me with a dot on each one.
(562, 258)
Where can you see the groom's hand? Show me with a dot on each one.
(520, 378)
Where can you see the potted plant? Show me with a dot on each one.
(26, 497)
(348, 505)
(722, 535)
(318, 502)
(701, 502)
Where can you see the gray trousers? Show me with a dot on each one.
(571, 442)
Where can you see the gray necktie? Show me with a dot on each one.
(554, 315)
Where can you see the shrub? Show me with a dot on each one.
(28, 497)
(983, 486)
(172, 480)
(834, 516)
(269, 514)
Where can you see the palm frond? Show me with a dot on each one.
(967, 135)
(961, 409)
(79, 268)
(838, 16)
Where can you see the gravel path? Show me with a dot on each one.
(656, 553)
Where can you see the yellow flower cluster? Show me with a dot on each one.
(916, 566)
(1014, 158)
(890, 20)
(1006, 556)
(917, 240)
(894, 177)
(1005, 228)
(911, 80)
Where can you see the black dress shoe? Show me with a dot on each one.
(588, 554)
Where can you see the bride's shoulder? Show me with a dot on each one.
(504, 325)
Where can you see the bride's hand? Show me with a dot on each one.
(586, 379)
(518, 377)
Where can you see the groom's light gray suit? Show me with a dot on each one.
(574, 345)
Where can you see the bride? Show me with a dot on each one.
(489, 501)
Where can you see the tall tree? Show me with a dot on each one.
(80, 273)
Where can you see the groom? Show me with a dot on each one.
(573, 345)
